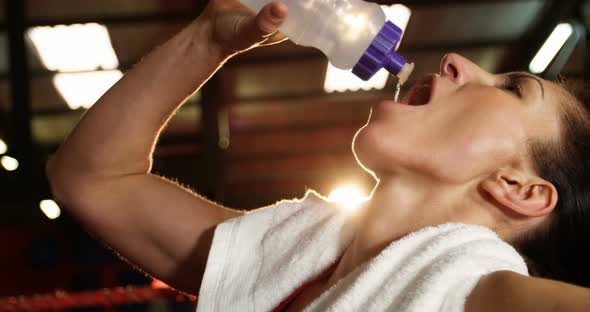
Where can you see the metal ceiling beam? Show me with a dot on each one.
(110, 20)
(216, 95)
(178, 16)
(19, 80)
(20, 141)
(584, 16)
(420, 3)
(313, 54)
(183, 16)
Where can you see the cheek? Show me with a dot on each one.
(478, 141)
(453, 143)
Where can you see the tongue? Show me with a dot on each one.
(420, 97)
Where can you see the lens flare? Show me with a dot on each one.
(9, 163)
(50, 209)
(349, 196)
(3, 147)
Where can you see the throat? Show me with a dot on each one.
(397, 208)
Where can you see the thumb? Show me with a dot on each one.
(265, 23)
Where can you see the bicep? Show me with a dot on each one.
(509, 291)
(154, 223)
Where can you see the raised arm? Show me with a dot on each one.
(101, 174)
(509, 291)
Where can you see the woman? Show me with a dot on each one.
(472, 147)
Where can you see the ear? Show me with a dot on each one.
(525, 194)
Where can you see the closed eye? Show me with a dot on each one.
(512, 84)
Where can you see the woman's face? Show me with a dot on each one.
(459, 124)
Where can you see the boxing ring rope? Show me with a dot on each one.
(61, 300)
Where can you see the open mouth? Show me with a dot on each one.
(421, 92)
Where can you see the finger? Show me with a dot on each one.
(266, 23)
(271, 17)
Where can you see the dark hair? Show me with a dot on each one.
(560, 248)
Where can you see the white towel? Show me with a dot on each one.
(433, 269)
(258, 260)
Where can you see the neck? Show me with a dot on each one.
(399, 206)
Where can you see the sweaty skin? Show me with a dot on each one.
(438, 159)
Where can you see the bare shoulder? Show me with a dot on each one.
(509, 291)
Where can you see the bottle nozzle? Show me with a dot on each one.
(381, 54)
(405, 73)
(398, 66)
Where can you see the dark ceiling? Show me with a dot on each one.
(285, 133)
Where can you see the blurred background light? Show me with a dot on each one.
(3, 147)
(76, 52)
(9, 163)
(551, 47)
(342, 80)
(348, 196)
(77, 47)
(84, 89)
(50, 209)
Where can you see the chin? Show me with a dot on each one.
(380, 154)
(364, 150)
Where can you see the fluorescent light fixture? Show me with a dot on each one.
(84, 89)
(343, 80)
(348, 196)
(551, 47)
(78, 47)
(9, 163)
(3, 147)
(50, 209)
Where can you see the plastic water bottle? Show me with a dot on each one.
(351, 33)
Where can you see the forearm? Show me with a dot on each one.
(101, 173)
(117, 135)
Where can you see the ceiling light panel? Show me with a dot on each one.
(82, 90)
(78, 47)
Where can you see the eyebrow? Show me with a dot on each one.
(523, 75)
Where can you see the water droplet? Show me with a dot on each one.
(398, 88)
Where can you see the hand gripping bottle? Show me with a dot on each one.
(351, 33)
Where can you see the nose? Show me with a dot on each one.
(461, 70)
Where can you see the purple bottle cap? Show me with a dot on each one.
(381, 54)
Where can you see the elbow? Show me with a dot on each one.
(71, 179)
(71, 172)
(63, 180)
(51, 169)
(54, 175)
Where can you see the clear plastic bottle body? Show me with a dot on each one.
(341, 29)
